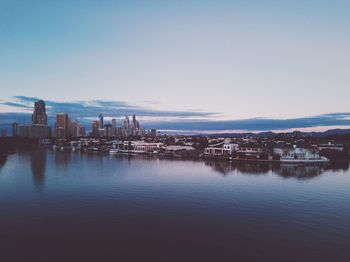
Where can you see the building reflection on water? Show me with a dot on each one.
(5, 150)
(298, 171)
(252, 168)
(38, 166)
(38, 161)
(3, 159)
(62, 158)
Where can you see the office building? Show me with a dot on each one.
(39, 128)
(82, 131)
(73, 129)
(14, 129)
(34, 131)
(153, 132)
(108, 130)
(101, 121)
(62, 125)
(39, 116)
(94, 128)
(114, 127)
(127, 129)
(135, 126)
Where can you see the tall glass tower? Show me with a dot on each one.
(101, 120)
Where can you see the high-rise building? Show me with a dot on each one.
(39, 128)
(39, 115)
(14, 129)
(62, 125)
(101, 121)
(119, 132)
(94, 128)
(73, 129)
(127, 128)
(131, 129)
(153, 132)
(34, 131)
(142, 132)
(135, 126)
(114, 127)
(81, 130)
(114, 123)
(108, 130)
(101, 132)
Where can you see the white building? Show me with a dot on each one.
(221, 149)
(331, 146)
(136, 146)
(146, 147)
(250, 152)
(298, 154)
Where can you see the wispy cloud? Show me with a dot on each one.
(181, 121)
(260, 124)
(16, 105)
(88, 109)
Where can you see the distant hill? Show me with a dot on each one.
(331, 132)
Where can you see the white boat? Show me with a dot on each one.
(92, 149)
(113, 151)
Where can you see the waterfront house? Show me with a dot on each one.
(220, 149)
(251, 152)
(298, 154)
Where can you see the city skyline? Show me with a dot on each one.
(240, 59)
(64, 127)
(182, 122)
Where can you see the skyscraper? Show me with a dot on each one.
(135, 126)
(14, 129)
(114, 127)
(126, 127)
(39, 115)
(81, 130)
(101, 121)
(94, 128)
(62, 125)
(108, 130)
(153, 132)
(74, 128)
(39, 128)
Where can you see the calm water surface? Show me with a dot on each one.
(79, 207)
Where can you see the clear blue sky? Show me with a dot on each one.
(242, 59)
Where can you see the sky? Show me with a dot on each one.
(203, 60)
